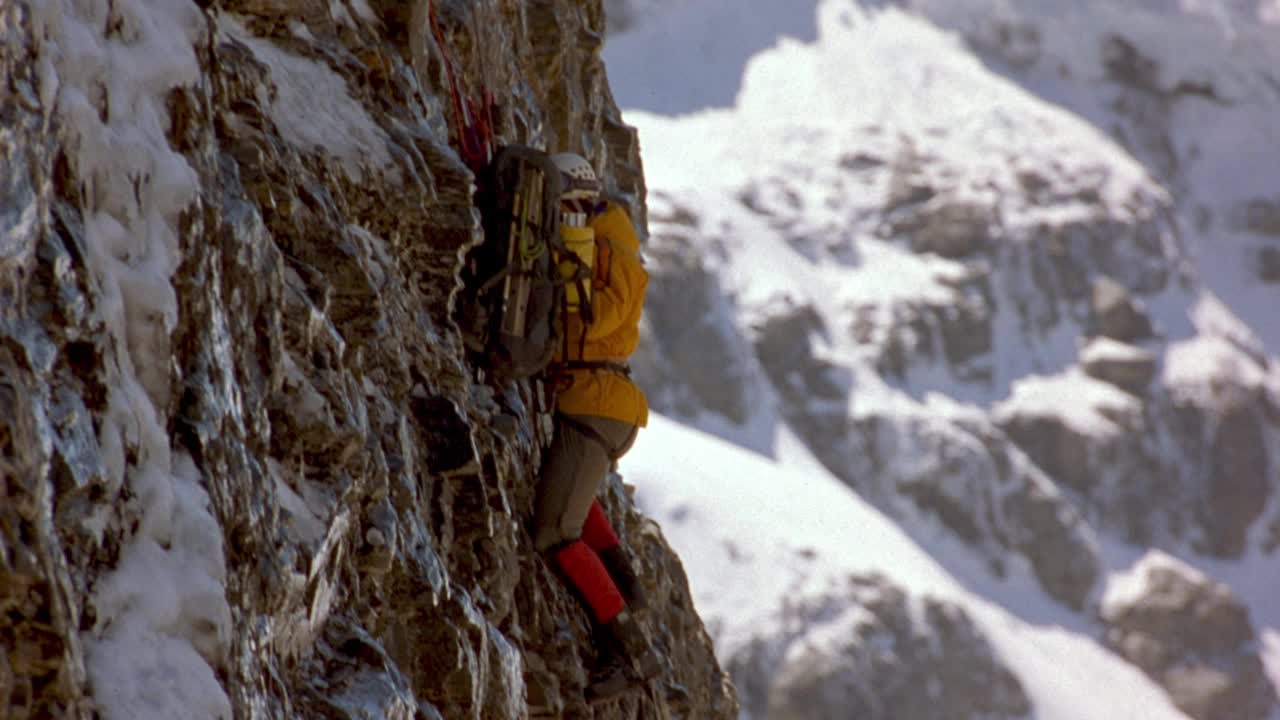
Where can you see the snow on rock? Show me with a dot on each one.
(312, 107)
(1190, 634)
(1192, 91)
(1126, 366)
(247, 467)
(162, 621)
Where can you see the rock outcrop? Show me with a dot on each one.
(1192, 636)
(248, 469)
(871, 650)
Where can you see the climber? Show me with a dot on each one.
(599, 410)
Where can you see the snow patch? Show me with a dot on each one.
(313, 108)
(1088, 406)
(1130, 586)
(1225, 349)
(162, 620)
(1104, 349)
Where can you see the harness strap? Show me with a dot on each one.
(592, 434)
(616, 367)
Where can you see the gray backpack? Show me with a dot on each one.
(512, 303)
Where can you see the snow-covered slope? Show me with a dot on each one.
(1005, 272)
(760, 535)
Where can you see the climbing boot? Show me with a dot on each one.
(624, 576)
(625, 633)
(609, 678)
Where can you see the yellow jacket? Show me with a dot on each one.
(617, 298)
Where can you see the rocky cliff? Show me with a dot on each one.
(247, 469)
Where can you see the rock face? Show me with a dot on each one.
(869, 650)
(1193, 637)
(248, 469)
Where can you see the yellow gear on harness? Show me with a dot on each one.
(577, 270)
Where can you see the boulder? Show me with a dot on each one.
(1115, 314)
(1192, 636)
(871, 651)
(1126, 366)
(1269, 264)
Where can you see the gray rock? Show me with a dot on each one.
(863, 651)
(952, 230)
(1262, 216)
(1269, 264)
(1115, 314)
(1191, 635)
(300, 427)
(1125, 366)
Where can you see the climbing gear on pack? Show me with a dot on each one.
(522, 284)
(579, 178)
(512, 302)
(472, 117)
(577, 262)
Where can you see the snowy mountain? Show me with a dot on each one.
(1006, 272)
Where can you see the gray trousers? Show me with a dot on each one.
(572, 473)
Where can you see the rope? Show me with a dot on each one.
(474, 135)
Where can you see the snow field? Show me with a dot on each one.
(754, 531)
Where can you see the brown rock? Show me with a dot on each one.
(309, 408)
(1115, 314)
(1125, 366)
(1262, 216)
(940, 666)
(1269, 264)
(1241, 482)
(1194, 637)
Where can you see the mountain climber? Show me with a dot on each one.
(599, 410)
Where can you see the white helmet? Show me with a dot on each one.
(580, 182)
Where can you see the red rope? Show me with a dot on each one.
(472, 117)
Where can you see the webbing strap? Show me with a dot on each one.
(591, 433)
(617, 367)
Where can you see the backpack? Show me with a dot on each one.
(513, 299)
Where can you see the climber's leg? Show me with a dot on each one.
(587, 574)
(598, 533)
(574, 469)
